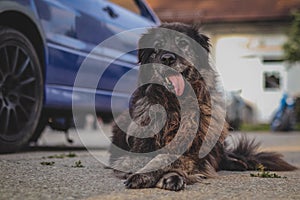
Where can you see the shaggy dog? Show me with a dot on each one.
(175, 131)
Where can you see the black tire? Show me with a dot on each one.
(40, 128)
(21, 90)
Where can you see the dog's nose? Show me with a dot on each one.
(168, 58)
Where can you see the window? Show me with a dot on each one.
(272, 60)
(137, 7)
(128, 4)
(272, 80)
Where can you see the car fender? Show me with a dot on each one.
(30, 12)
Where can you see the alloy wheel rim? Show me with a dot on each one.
(18, 96)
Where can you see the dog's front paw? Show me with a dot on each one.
(172, 181)
(136, 181)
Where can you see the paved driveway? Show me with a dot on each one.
(50, 171)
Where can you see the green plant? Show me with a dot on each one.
(56, 156)
(69, 155)
(297, 127)
(48, 163)
(265, 174)
(292, 46)
(78, 164)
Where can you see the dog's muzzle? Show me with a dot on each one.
(168, 59)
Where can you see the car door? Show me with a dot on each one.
(75, 28)
(122, 15)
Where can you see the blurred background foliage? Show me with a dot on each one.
(292, 46)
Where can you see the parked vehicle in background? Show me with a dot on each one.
(284, 118)
(42, 45)
(238, 111)
(297, 109)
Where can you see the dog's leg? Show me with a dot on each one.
(171, 181)
(150, 175)
(119, 138)
(126, 165)
(166, 171)
(159, 172)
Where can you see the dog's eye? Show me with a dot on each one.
(158, 44)
(182, 43)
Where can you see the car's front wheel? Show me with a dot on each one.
(21, 90)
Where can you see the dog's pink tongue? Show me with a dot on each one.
(178, 83)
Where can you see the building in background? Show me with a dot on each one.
(247, 38)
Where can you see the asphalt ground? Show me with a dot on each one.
(27, 175)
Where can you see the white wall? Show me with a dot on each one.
(239, 59)
(293, 83)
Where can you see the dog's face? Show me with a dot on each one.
(179, 49)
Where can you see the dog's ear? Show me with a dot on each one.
(202, 39)
(144, 53)
(203, 53)
(205, 41)
(143, 58)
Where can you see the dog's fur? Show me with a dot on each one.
(186, 167)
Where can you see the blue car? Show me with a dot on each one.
(42, 45)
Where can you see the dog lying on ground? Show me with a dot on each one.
(175, 131)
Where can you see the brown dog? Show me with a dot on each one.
(176, 133)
